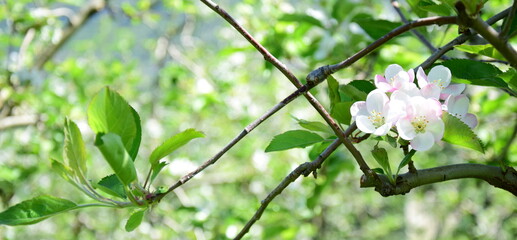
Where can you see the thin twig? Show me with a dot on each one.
(459, 40)
(421, 37)
(305, 169)
(237, 138)
(490, 34)
(505, 31)
(76, 22)
(504, 179)
(282, 68)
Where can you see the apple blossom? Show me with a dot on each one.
(437, 83)
(394, 78)
(458, 107)
(422, 125)
(371, 116)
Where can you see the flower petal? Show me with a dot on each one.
(421, 77)
(471, 120)
(382, 130)
(376, 100)
(436, 127)
(405, 129)
(391, 71)
(411, 74)
(440, 74)
(430, 91)
(453, 89)
(358, 108)
(422, 142)
(365, 124)
(458, 105)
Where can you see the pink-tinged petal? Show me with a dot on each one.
(410, 89)
(400, 96)
(436, 127)
(383, 86)
(418, 106)
(457, 105)
(453, 89)
(430, 91)
(405, 129)
(421, 77)
(382, 130)
(422, 142)
(471, 120)
(365, 124)
(397, 110)
(378, 78)
(440, 74)
(411, 74)
(435, 106)
(391, 71)
(358, 108)
(376, 100)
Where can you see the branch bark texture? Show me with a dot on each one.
(496, 176)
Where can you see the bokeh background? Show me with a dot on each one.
(181, 66)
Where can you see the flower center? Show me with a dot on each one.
(438, 82)
(419, 123)
(376, 118)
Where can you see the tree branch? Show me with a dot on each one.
(76, 22)
(421, 37)
(459, 40)
(487, 32)
(495, 176)
(237, 138)
(370, 48)
(505, 31)
(305, 169)
(280, 66)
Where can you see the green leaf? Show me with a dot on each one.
(373, 27)
(113, 150)
(510, 77)
(156, 168)
(406, 160)
(341, 112)
(174, 143)
(470, 69)
(363, 86)
(35, 210)
(64, 171)
(112, 186)
(475, 73)
(293, 139)
(110, 113)
(485, 50)
(74, 152)
(352, 92)
(381, 156)
(458, 133)
(301, 18)
(314, 126)
(134, 220)
(440, 9)
(333, 89)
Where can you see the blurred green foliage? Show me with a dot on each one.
(181, 66)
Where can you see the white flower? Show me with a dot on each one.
(371, 116)
(421, 124)
(458, 107)
(437, 83)
(394, 78)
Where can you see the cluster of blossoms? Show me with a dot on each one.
(415, 112)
